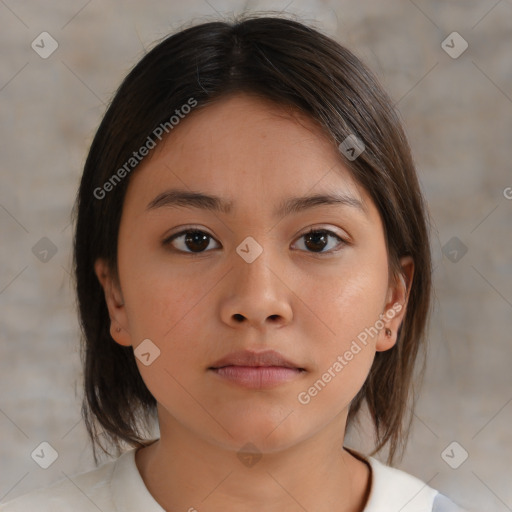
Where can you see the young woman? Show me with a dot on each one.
(253, 271)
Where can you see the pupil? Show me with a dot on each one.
(196, 237)
(316, 237)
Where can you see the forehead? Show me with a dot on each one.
(245, 149)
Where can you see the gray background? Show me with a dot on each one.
(458, 116)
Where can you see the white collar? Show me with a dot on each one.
(391, 489)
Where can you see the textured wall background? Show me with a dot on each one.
(458, 115)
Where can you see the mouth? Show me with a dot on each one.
(256, 370)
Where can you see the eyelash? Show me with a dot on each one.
(168, 241)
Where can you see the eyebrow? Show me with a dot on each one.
(292, 205)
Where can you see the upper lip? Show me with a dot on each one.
(248, 358)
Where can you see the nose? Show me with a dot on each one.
(256, 295)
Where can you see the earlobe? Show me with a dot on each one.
(115, 304)
(396, 305)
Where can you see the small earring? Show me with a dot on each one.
(118, 329)
(389, 332)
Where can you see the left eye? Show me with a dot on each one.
(196, 241)
(317, 239)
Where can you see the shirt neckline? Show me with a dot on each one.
(129, 492)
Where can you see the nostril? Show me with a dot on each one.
(239, 317)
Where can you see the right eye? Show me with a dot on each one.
(194, 239)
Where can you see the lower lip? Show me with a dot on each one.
(257, 377)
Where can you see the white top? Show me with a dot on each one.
(117, 486)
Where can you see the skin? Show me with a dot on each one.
(308, 306)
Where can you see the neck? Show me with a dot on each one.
(184, 472)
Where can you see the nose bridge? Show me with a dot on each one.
(256, 291)
(256, 266)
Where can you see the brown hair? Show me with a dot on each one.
(292, 64)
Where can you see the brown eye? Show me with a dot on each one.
(316, 240)
(192, 241)
(195, 241)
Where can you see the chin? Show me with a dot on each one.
(269, 433)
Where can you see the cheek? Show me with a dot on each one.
(350, 303)
(159, 295)
(163, 305)
(351, 297)
(343, 360)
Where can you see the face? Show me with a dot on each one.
(251, 321)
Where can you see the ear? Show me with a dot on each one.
(396, 305)
(115, 303)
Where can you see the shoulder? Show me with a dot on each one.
(393, 489)
(443, 504)
(115, 485)
(79, 493)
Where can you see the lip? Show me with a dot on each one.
(249, 358)
(256, 370)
